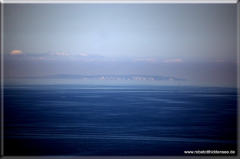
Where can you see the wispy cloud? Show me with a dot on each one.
(83, 54)
(173, 60)
(61, 53)
(151, 60)
(16, 52)
(90, 56)
(138, 60)
(37, 56)
(148, 59)
(19, 52)
(109, 60)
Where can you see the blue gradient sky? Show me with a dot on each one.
(191, 41)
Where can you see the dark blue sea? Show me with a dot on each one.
(102, 120)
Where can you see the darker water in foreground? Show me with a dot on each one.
(88, 120)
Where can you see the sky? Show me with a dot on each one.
(197, 42)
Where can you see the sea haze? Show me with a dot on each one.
(118, 120)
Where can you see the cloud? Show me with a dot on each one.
(148, 59)
(108, 60)
(38, 58)
(151, 60)
(61, 53)
(16, 52)
(90, 56)
(19, 52)
(173, 60)
(54, 56)
(138, 60)
(83, 54)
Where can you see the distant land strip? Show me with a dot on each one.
(109, 77)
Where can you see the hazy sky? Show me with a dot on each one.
(192, 41)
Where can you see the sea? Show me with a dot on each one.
(117, 119)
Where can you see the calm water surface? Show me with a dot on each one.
(101, 120)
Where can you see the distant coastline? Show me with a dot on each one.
(107, 77)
